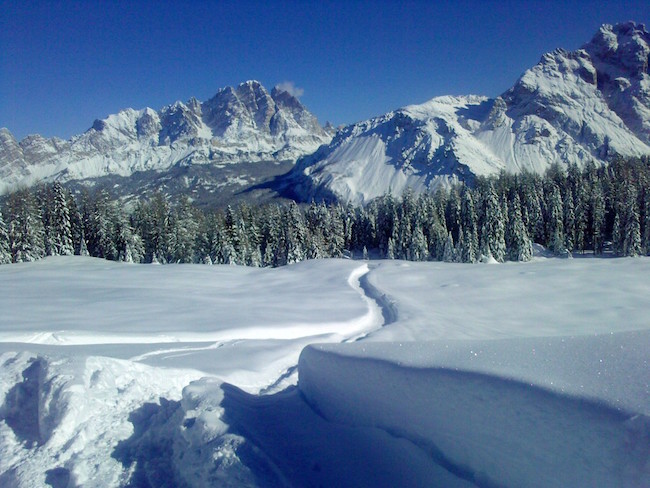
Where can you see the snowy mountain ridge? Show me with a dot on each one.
(242, 124)
(580, 107)
(572, 107)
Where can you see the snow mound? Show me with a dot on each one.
(499, 422)
(67, 421)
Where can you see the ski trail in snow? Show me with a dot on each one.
(376, 299)
(380, 313)
(358, 281)
(179, 350)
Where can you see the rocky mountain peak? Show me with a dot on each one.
(239, 124)
(622, 49)
(573, 107)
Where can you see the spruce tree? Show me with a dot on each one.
(470, 243)
(632, 229)
(581, 216)
(646, 225)
(597, 217)
(519, 245)
(390, 249)
(185, 230)
(569, 221)
(24, 227)
(76, 227)
(5, 254)
(449, 254)
(617, 235)
(493, 228)
(295, 233)
(531, 202)
(335, 235)
(556, 241)
(418, 248)
(60, 227)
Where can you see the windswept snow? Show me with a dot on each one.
(501, 420)
(523, 374)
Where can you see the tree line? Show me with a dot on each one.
(568, 210)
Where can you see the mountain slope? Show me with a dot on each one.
(246, 124)
(572, 107)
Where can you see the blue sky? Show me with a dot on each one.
(64, 64)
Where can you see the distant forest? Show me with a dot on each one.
(568, 210)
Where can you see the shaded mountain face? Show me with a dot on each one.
(572, 107)
(193, 141)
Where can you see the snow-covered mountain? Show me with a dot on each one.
(572, 107)
(246, 124)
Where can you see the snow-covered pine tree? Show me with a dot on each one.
(460, 245)
(390, 249)
(403, 237)
(632, 229)
(453, 212)
(273, 245)
(153, 221)
(42, 200)
(185, 228)
(232, 238)
(469, 224)
(24, 227)
(386, 215)
(617, 235)
(519, 245)
(295, 233)
(76, 227)
(449, 254)
(335, 235)
(5, 254)
(102, 233)
(253, 237)
(60, 227)
(205, 243)
(493, 228)
(569, 221)
(418, 248)
(128, 244)
(581, 216)
(555, 221)
(318, 220)
(597, 216)
(645, 243)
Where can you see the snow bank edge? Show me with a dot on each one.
(489, 430)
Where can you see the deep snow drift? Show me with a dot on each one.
(523, 374)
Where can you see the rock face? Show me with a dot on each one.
(241, 125)
(572, 107)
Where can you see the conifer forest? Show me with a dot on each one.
(568, 210)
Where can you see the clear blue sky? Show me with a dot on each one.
(64, 64)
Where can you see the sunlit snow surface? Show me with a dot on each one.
(435, 374)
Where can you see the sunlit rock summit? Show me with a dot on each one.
(181, 147)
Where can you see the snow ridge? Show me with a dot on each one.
(487, 429)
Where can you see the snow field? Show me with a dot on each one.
(522, 374)
(542, 298)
